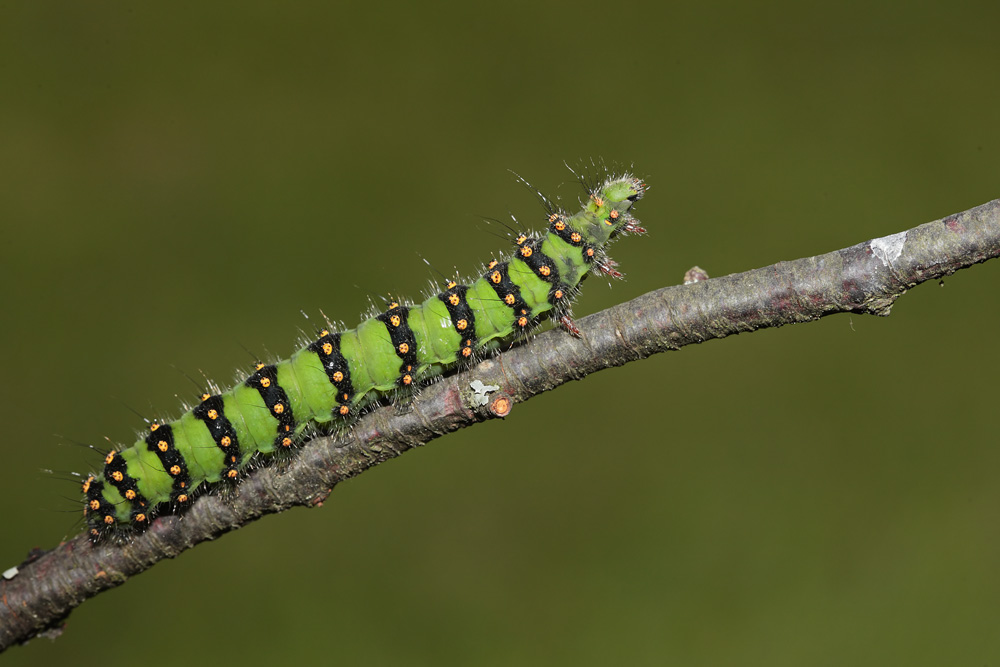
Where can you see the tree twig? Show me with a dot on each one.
(865, 278)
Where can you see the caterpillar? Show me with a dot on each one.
(331, 379)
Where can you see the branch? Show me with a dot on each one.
(866, 278)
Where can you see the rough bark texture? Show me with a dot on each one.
(865, 278)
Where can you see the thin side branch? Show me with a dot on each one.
(866, 278)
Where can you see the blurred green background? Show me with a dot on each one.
(815, 495)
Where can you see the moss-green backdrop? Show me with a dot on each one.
(815, 495)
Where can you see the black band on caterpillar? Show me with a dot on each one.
(327, 348)
(265, 381)
(530, 252)
(463, 319)
(403, 342)
(212, 412)
(116, 474)
(160, 441)
(498, 278)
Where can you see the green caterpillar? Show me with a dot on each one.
(331, 379)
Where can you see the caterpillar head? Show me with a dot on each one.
(609, 207)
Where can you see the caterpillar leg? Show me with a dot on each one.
(632, 227)
(567, 323)
(607, 267)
